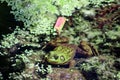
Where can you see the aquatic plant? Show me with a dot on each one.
(1, 77)
(101, 66)
(98, 3)
(39, 17)
(86, 25)
(102, 17)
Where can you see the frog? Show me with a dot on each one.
(63, 53)
(89, 48)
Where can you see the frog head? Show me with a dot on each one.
(60, 55)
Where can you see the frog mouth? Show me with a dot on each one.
(53, 61)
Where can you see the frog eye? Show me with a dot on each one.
(62, 58)
(55, 57)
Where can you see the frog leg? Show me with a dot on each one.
(94, 50)
(81, 51)
(72, 63)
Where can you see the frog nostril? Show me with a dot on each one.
(55, 56)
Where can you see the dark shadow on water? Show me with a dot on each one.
(90, 75)
(7, 21)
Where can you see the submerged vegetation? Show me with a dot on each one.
(25, 50)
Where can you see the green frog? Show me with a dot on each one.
(63, 52)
